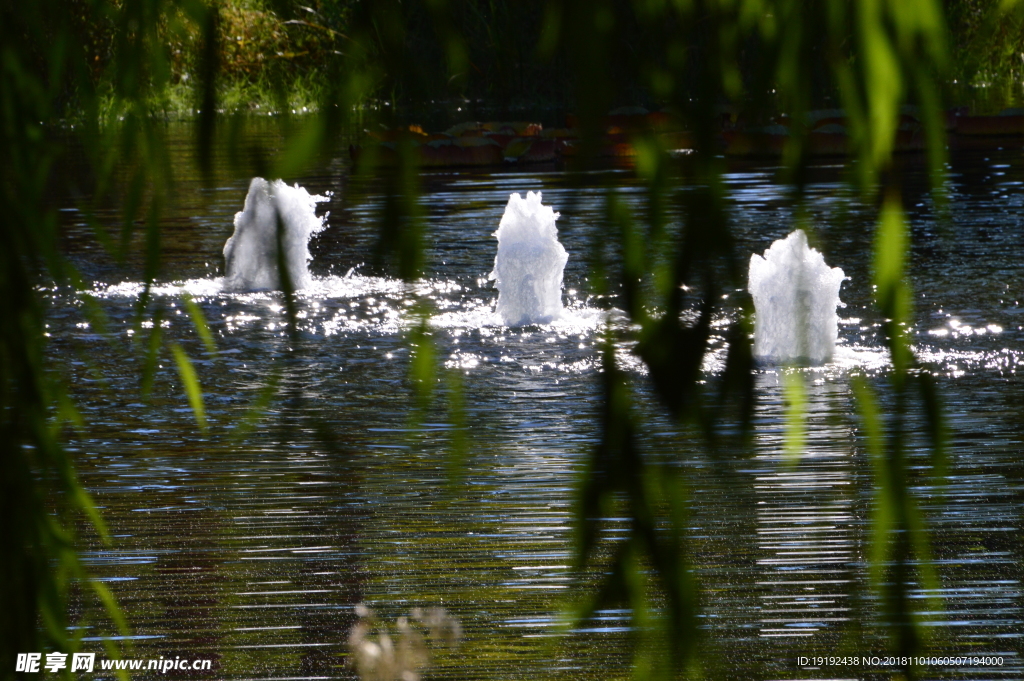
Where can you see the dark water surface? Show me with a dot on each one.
(254, 550)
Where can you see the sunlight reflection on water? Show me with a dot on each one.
(257, 553)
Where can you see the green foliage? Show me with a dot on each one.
(620, 481)
(879, 57)
(110, 63)
(892, 293)
(986, 47)
(190, 382)
(282, 54)
(53, 58)
(423, 361)
(899, 539)
(795, 395)
(199, 321)
(40, 59)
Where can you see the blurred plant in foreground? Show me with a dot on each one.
(378, 655)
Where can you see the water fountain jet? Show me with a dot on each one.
(251, 254)
(529, 263)
(795, 299)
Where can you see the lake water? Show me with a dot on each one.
(254, 550)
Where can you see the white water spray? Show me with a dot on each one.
(795, 298)
(528, 267)
(251, 254)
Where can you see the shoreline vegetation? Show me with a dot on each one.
(282, 57)
(277, 57)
